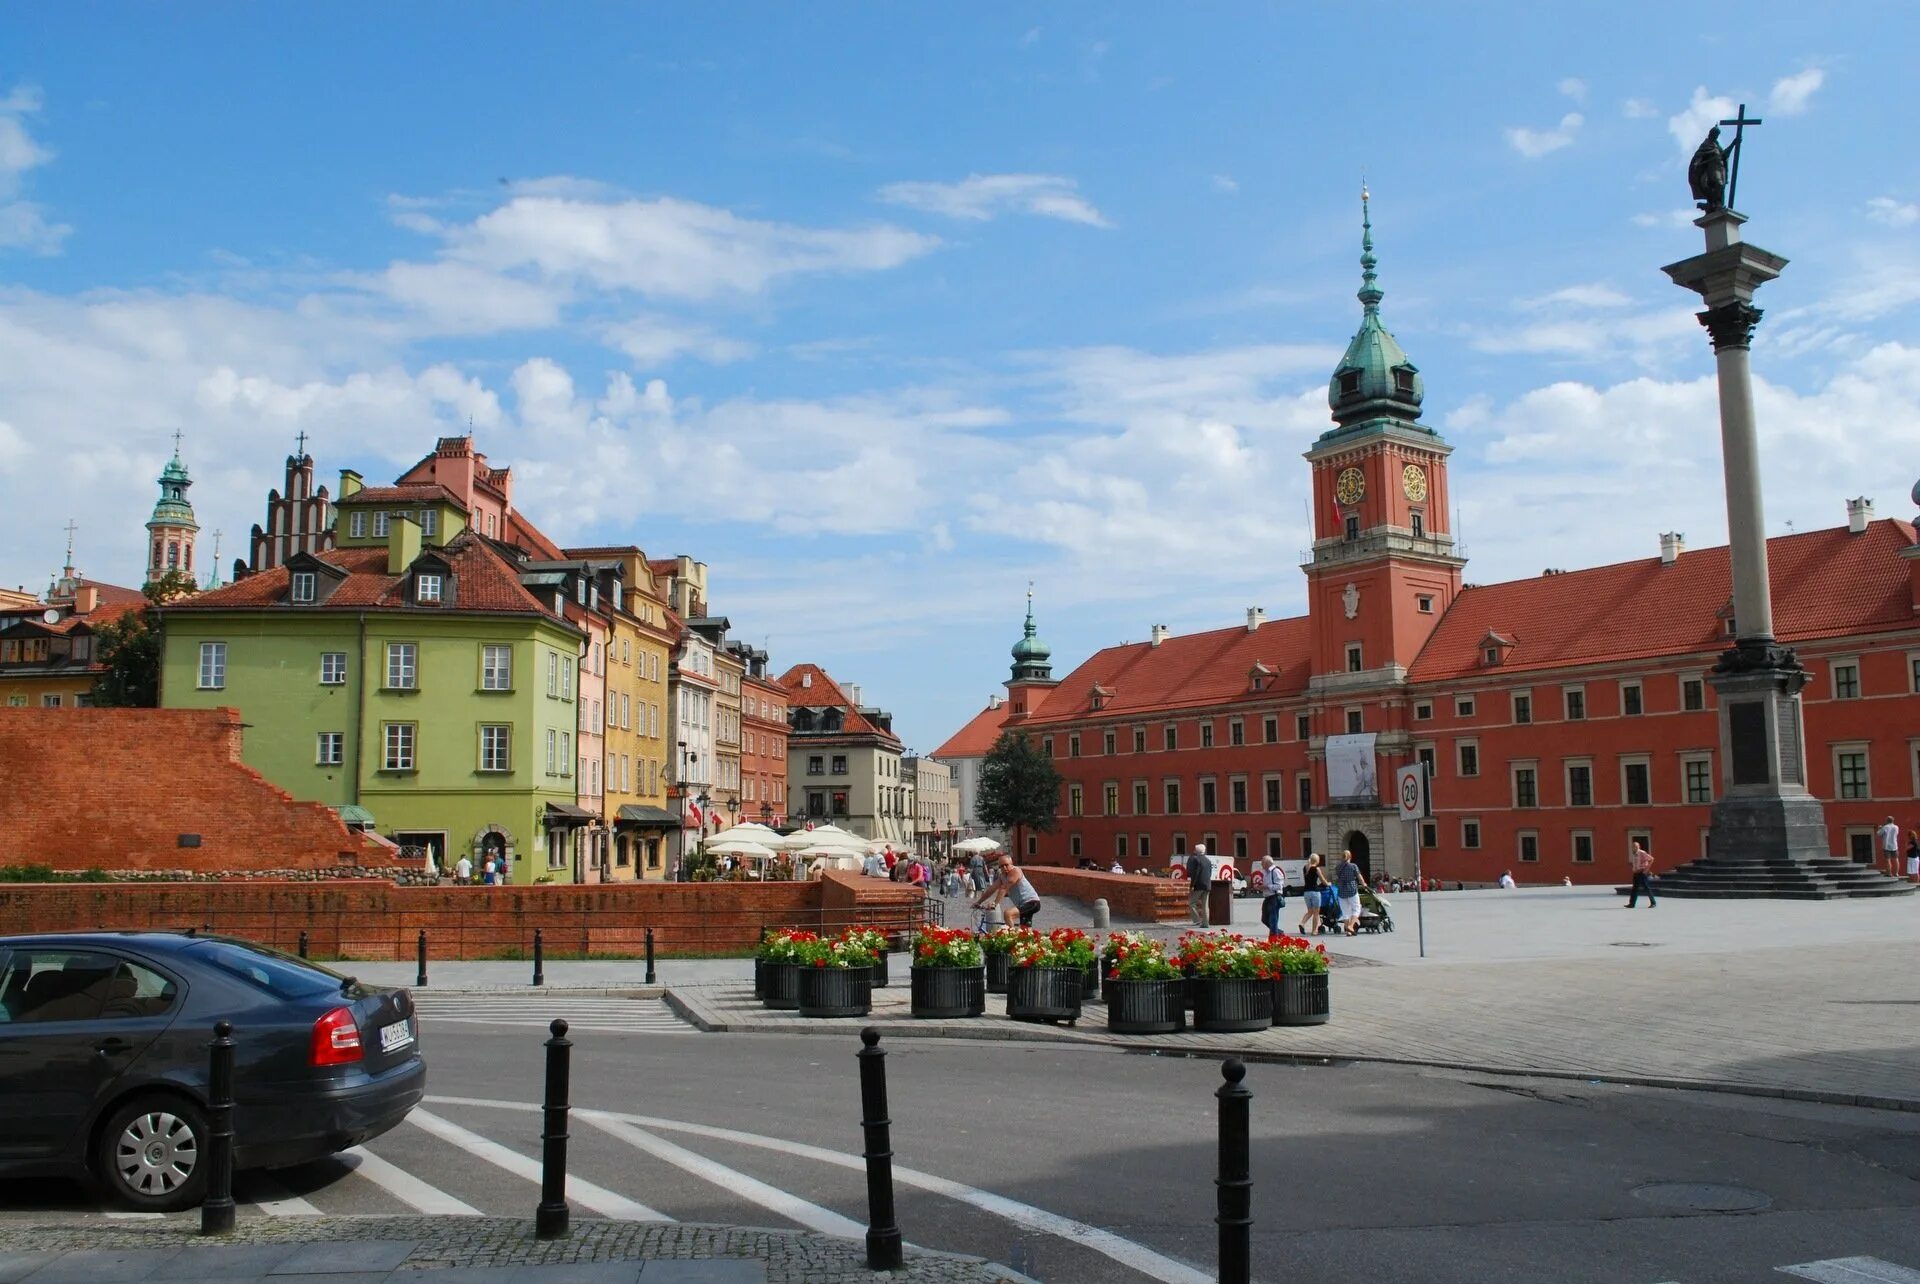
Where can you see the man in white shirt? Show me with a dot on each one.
(1506, 880)
(1889, 835)
(463, 871)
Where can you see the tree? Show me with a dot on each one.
(1019, 787)
(129, 648)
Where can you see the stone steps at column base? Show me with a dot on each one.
(1821, 879)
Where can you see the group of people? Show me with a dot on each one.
(1889, 842)
(1327, 889)
(492, 871)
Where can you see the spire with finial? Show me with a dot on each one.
(1031, 657)
(1370, 291)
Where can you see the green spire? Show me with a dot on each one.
(1031, 657)
(173, 508)
(1370, 291)
(1374, 381)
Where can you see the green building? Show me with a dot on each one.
(417, 676)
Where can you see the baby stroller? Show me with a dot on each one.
(1375, 914)
(1330, 911)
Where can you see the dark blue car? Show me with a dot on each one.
(103, 1059)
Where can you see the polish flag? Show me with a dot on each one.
(693, 814)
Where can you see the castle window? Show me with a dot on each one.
(1349, 383)
(1425, 603)
(1353, 527)
(1403, 381)
(1419, 526)
(1353, 657)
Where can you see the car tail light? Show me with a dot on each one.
(336, 1039)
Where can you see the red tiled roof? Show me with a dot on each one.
(485, 582)
(974, 739)
(1196, 669)
(114, 594)
(1826, 583)
(824, 692)
(403, 493)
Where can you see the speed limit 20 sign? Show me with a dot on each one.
(1410, 787)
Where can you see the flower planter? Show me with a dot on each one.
(1090, 982)
(779, 985)
(997, 967)
(1302, 998)
(1044, 993)
(1232, 1005)
(835, 991)
(947, 992)
(1146, 1007)
(880, 969)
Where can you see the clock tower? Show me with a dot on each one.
(1382, 572)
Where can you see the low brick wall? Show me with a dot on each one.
(374, 919)
(1133, 897)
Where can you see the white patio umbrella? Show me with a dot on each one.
(836, 857)
(793, 842)
(834, 836)
(751, 831)
(972, 845)
(739, 847)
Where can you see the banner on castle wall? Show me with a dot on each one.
(1351, 774)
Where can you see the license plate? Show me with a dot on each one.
(395, 1036)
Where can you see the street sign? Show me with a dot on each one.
(1410, 789)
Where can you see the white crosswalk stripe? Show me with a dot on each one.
(583, 1014)
(1852, 1270)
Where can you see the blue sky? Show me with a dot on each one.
(884, 311)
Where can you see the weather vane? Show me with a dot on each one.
(1714, 172)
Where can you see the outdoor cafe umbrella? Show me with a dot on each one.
(834, 836)
(972, 845)
(739, 847)
(751, 831)
(835, 857)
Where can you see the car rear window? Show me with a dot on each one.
(280, 975)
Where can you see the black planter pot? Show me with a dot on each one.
(1232, 1005)
(880, 969)
(1044, 993)
(835, 991)
(1302, 999)
(947, 992)
(997, 967)
(1090, 982)
(779, 985)
(1146, 1007)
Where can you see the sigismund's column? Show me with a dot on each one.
(1764, 811)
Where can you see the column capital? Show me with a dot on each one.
(1731, 324)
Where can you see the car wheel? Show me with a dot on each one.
(152, 1155)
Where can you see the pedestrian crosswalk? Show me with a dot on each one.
(608, 1014)
(1852, 1270)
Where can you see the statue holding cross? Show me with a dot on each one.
(1714, 172)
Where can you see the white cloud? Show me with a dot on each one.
(1574, 88)
(1884, 209)
(1535, 143)
(1791, 94)
(1666, 218)
(1596, 332)
(1031, 37)
(1689, 125)
(657, 341)
(1592, 294)
(1638, 109)
(1226, 183)
(985, 196)
(23, 224)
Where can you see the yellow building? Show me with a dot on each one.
(48, 656)
(637, 723)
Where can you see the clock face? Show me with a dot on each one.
(1350, 487)
(1413, 479)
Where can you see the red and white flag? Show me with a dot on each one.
(693, 814)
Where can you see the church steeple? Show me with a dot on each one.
(171, 529)
(1374, 382)
(1032, 658)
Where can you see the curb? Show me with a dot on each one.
(537, 991)
(1265, 1056)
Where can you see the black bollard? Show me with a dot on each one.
(649, 956)
(883, 1236)
(303, 942)
(550, 1219)
(539, 958)
(1235, 1182)
(216, 1210)
(420, 952)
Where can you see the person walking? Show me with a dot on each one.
(463, 871)
(1314, 879)
(977, 873)
(1273, 888)
(1349, 882)
(1199, 884)
(1641, 863)
(1890, 846)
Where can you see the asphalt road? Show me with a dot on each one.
(1096, 1166)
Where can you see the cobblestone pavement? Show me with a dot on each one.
(394, 1250)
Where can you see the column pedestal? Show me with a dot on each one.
(1765, 813)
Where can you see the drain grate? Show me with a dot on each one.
(1703, 1197)
(1633, 945)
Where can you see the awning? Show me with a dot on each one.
(355, 816)
(642, 816)
(568, 816)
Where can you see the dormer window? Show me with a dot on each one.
(1492, 655)
(1494, 648)
(426, 589)
(1349, 383)
(1403, 381)
(302, 586)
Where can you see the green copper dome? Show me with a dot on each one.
(1374, 379)
(173, 508)
(1031, 657)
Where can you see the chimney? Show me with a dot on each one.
(85, 599)
(1672, 544)
(994, 701)
(1255, 618)
(1859, 513)
(1159, 635)
(806, 679)
(853, 693)
(349, 482)
(403, 543)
